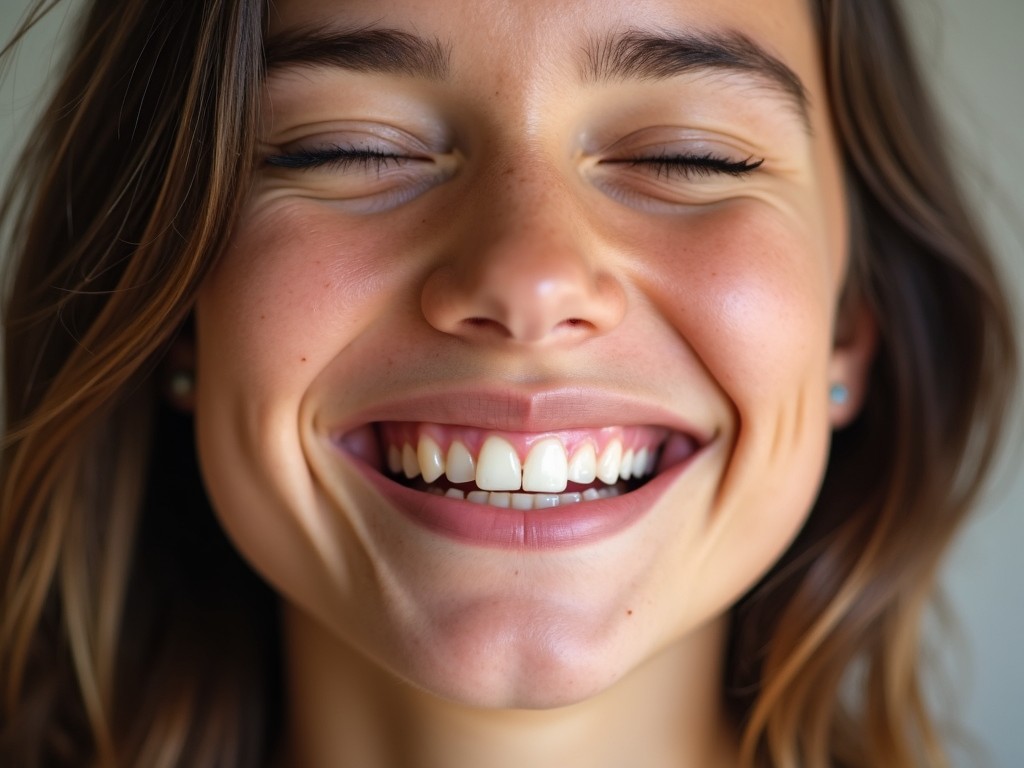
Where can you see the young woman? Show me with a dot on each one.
(585, 383)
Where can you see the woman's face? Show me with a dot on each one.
(521, 251)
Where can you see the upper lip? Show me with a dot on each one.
(516, 410)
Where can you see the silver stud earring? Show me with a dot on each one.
(182, 385)
(838, 394)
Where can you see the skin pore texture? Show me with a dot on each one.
(502, 239)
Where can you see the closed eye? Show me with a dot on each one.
(690, 166)
(339, 157)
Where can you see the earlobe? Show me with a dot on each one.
(853, 353)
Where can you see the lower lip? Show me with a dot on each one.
(484, 525)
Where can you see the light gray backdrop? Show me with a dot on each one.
(973, 53)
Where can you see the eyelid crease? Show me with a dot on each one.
(359, 133)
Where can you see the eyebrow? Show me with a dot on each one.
(641, 55)
(364, 49)
(630, 55)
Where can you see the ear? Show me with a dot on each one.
(853, 351)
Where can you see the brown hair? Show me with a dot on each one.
(130, 632)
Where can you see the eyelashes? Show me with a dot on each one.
(662, 166)
(338, 157)
(691, 166)
(370, 178)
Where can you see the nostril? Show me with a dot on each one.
(486, 324)
(575, 325)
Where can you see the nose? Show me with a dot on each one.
(523, 266)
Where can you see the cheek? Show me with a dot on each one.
(751, 294)
(292, 290)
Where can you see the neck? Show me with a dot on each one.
(346, 711)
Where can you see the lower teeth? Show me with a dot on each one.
(526, 501)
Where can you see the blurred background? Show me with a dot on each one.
(972, 52)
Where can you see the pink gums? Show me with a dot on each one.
(408, 433)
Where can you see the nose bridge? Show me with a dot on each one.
(530, 190)
(523, 263)
(529, 216)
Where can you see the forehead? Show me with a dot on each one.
(513, 37)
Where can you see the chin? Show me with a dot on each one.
(521, 653)
(529, 675)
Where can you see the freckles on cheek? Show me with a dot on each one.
(293, 284)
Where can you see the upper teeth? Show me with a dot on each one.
(547, 468)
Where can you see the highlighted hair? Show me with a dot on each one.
(130, 631)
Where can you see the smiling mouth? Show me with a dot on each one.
(522, 471)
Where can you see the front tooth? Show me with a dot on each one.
(477, 497)
(583, 467)
(591, 494)
(570, 498)
(498, 468)
(546, 468)
(608, 464)
(459, 466)
(626, 467)
(454, 493)
(410, 464)
(428, 454)
(545, 501)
